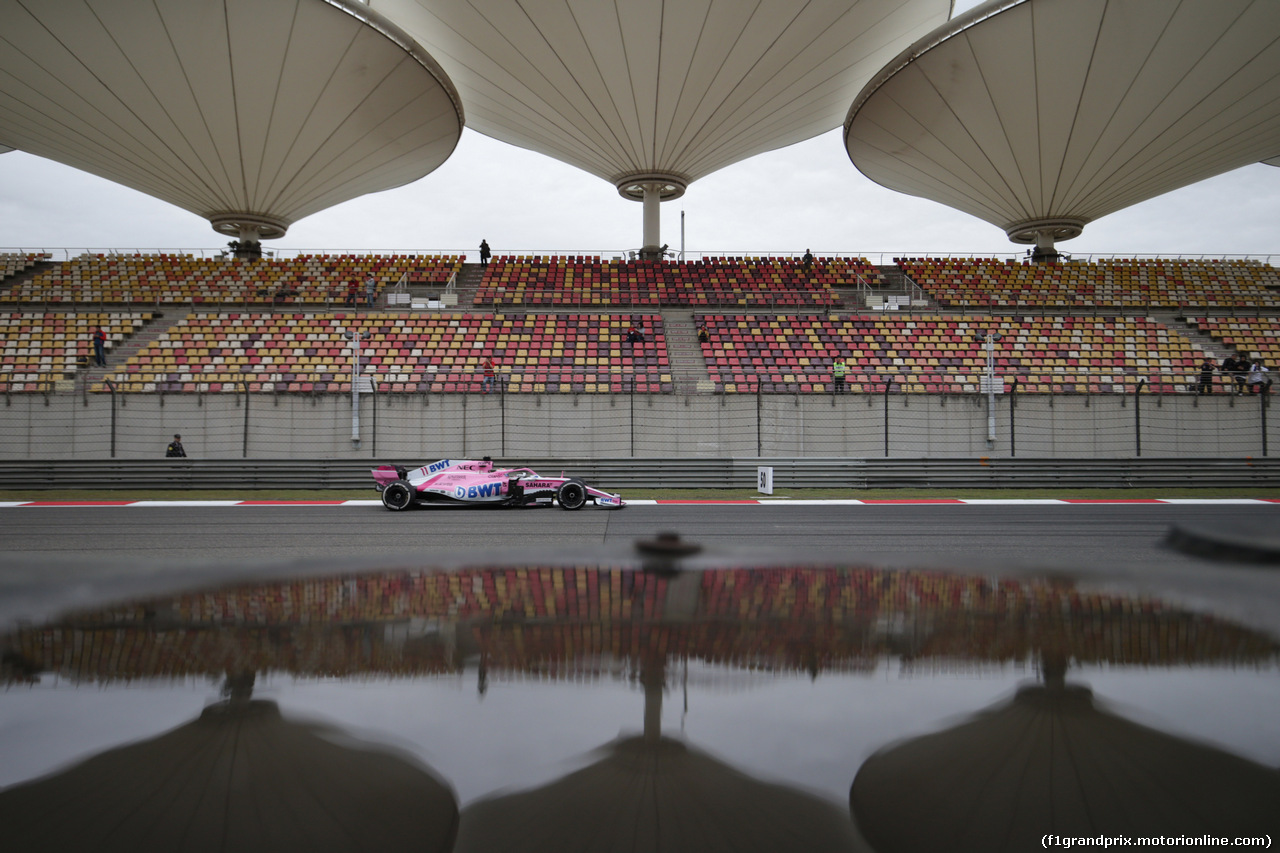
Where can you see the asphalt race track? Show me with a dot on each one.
(1127, 538)
(1028, 533)
(1034, 534)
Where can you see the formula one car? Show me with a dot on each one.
(468, 481)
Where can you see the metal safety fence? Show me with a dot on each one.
(694, 419)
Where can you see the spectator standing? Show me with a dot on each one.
(175, 450)
(1207, 368)
(1228, 370)
(490, 374)
(353, 293)
(703, 335)
(1258, 382)
(1241, 375)
(100, 347)
(838, 371)
(807, 260)
(370, 288)
(484, 253)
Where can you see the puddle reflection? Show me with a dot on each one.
(598, 708)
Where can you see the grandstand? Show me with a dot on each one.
(12, 263)
(941, 355)
(308, 352)
(1256, 337)
(558, 327)
(771, 282)
(39, 350)
(1083, 342)
(310, 280)
(1107, 285)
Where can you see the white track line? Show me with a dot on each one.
(151, 504)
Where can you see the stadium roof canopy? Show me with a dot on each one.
(651, 95)
(1040, 116)
(249, 113)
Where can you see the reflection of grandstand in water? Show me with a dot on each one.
(732, 627)
(693, 674)
(585, 623)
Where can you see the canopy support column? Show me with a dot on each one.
(650, 249)
(1043, 234)
(651, 189)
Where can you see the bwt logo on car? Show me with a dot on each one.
(484, 490)
(438, 466)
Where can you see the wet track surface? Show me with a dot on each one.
(1037, 534)
(817, 677)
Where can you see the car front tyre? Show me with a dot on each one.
(571, 495)
(397, 496)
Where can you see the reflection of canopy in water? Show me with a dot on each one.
(660, 796)
(550, 620)
(240, 777)
(650, 793)
(1051, 761)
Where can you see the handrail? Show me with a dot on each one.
(779, 379)
(916, 291)
(863, 287)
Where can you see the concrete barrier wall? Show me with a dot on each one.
(644, 426)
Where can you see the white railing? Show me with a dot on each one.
(879, 257)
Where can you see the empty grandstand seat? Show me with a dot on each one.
(940, 354)
(306, 352)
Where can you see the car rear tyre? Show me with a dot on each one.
(571, 495)
(397, 496)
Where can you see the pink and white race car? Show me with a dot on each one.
(469, 481)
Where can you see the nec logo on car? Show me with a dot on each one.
(485, 490)
(438, 466)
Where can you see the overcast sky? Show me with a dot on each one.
(807, 195)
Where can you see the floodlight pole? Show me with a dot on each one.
(355, 390)
(990, 338)
(111, 386)
(991, 392)
(1137, 415)
(354, 336)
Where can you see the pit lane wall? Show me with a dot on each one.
(419, 427)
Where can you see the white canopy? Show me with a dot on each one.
(250, 113)
(651, 95)
(1040, 116)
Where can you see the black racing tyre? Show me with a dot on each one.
(571, 495)
(397, 496)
